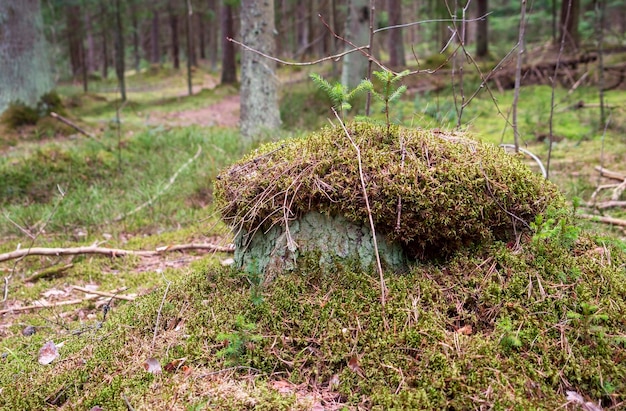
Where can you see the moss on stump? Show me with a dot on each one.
(430, 192)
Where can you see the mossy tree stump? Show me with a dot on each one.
(430, 193)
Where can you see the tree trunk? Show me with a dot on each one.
(74, 39)
(105, 40)
(119, 50)
(357, 31)
(135, 24)
(229, 66)
(90, 56)
(214, 30)
(570, 14)
(396, 43)
(259, 88)
(482, 34)
(25, 72)
(155, 52)
(174, 33)
(190, 52)
(201, 36)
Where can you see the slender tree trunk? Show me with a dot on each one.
(155, 51)
(482, 32)
(570, 15)
(91, 58)
(135, 24)
(74, 31)
(214, 30)
(201, 35)
(174, 33)
(229, 66)
(119, 50)
(105, 40)
(396, 43)
(190, 52)
(259, 88)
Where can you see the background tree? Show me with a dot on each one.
(354, 67)
(482, 31)
(570, 15)
(259, 89)
(119, 50)
(229, 65)
(396, 43)
(24, 65)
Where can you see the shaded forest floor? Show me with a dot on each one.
(163, 149)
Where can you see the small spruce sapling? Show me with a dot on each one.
(390, 91)
(339, 94)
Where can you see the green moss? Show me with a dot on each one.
(453, 191)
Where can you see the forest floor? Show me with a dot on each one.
(145, 183)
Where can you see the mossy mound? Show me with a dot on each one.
(492, 328)
(431, 192)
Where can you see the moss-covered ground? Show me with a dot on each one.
(493, 326)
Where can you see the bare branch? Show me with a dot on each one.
(69, 123)
(291, 63)
(112, 252)
(603, 219)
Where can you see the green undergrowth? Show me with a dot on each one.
(498, 325)
(432, 192)
(86, 184)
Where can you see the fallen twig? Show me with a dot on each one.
(104, 293)
(610, 174)
(607, 204)
(113, 252)
(603, 219)
(164, 189)
(69, 123)
(49, 305)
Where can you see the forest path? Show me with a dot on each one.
(224, 113)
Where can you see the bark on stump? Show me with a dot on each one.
(329, 239)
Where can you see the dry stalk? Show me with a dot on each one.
(383, 287)
(164, 189)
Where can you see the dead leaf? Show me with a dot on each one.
(174, 365)
(96, 408)
(465, 330)
(576, 398)
(353, 364)
(152, 365)
(48, 353)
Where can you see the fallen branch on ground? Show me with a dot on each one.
(104, 293)
(112, 252)
(610, 174)
(41, 305)
(74, 126)
(607, 204)
(603, 219)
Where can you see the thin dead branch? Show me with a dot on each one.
(112, 252)
(605, 205)
(293, 63)
(104, 293)
(74, 126)
(383, 287)
(603, 219)
(614, 175)
(41, 305)
(164, 189)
